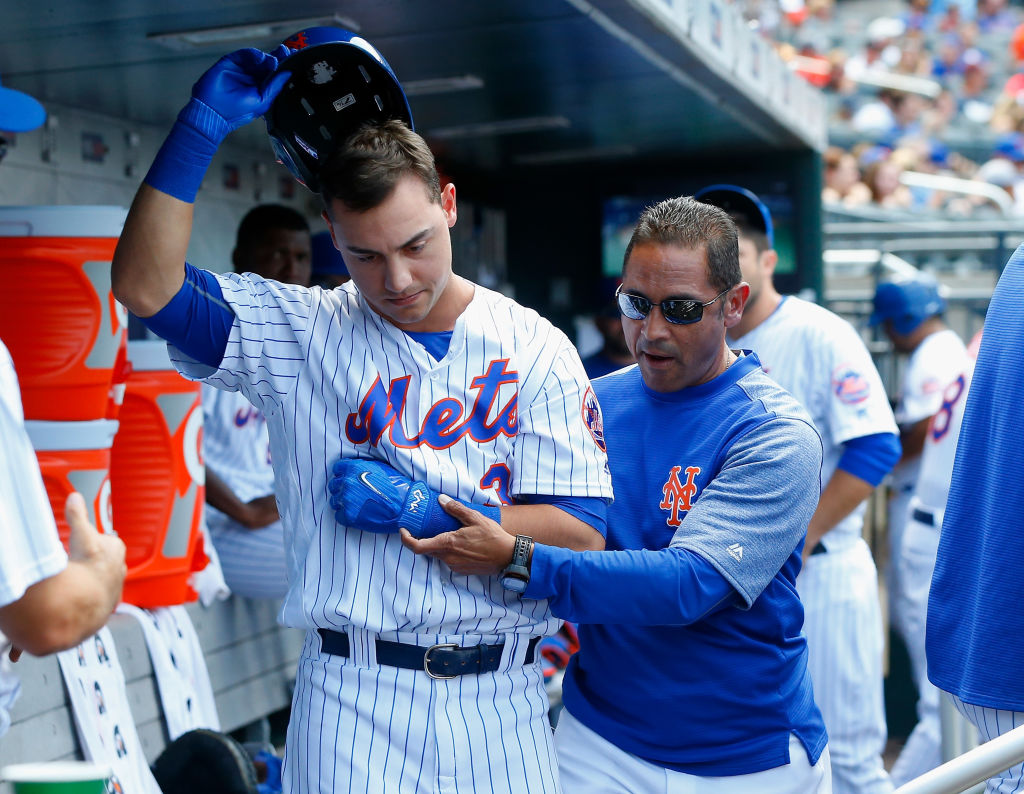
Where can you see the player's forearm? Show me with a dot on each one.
(912, 440)
(59, 612)
(149, 263)
(551, 526)
(841, 497)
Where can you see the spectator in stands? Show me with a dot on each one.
(273, 241)
(614, 353)
(843, 184)
(881, 52)
(883, 180)
(49, 600)
(993, 16)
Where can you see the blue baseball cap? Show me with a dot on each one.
(1011, 145)
(742, 203)
(19, 112)
(326, 258)
(906, 304)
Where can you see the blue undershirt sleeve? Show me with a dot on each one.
(870, 457)
(671, 587)
(590, 510)
(197, 320)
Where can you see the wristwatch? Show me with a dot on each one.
(516, 575)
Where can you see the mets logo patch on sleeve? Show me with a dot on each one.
(849, 385)
(592, 418)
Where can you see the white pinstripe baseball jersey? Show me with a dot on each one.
(32, 550)
(822, 361)
(932, 366)
(505, 412)
(236, 446)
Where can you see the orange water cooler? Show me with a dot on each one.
(75, 456)
(157, 479)
(58, 316)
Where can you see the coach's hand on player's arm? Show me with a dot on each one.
(481, 547)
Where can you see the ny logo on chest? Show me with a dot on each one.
(446, 422)
(678, 494)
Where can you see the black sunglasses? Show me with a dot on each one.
(678, 311)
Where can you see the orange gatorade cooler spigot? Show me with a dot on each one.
(58, 316)
(75, 456)
(157, 479)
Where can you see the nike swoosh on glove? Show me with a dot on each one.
(375, 497)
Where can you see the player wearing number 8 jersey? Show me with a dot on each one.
(923, 749)
(412, 677)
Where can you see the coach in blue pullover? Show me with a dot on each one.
(692, 669)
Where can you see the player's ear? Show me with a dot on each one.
(769, 259)
(448, 203)
(330, 228)
(733, 302)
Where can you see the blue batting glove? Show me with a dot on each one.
(235, 90)
(373, 496)
(232, 92)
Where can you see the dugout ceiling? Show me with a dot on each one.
(603, 81)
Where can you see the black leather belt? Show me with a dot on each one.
(923, 516)
(445, 660)
(819, 548)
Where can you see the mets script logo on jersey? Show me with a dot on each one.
(592, 418)
(678, 494)
(849, 385)
(447, 421)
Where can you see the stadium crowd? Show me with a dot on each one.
(932, 87)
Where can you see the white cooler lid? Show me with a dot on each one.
(149, 355)
(62, 221)
(46, 436)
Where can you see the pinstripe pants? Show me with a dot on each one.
(991, 723)
(361, 727)
(843, 624)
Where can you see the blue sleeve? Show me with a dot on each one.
(870, 457)
(644, 587)
(590, 510)
(197, 320)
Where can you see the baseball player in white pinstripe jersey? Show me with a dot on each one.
(48, 600)
(458, 388)
(273, 241)
(822, 361)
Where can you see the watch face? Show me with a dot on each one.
(513, 583)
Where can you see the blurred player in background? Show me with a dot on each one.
(910, 312)
(821, 360)
(273, 242)
(916, 559)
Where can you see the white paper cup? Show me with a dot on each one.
(58, 777)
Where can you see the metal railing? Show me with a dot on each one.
(974, 766)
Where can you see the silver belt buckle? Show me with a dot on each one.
(426, 660)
